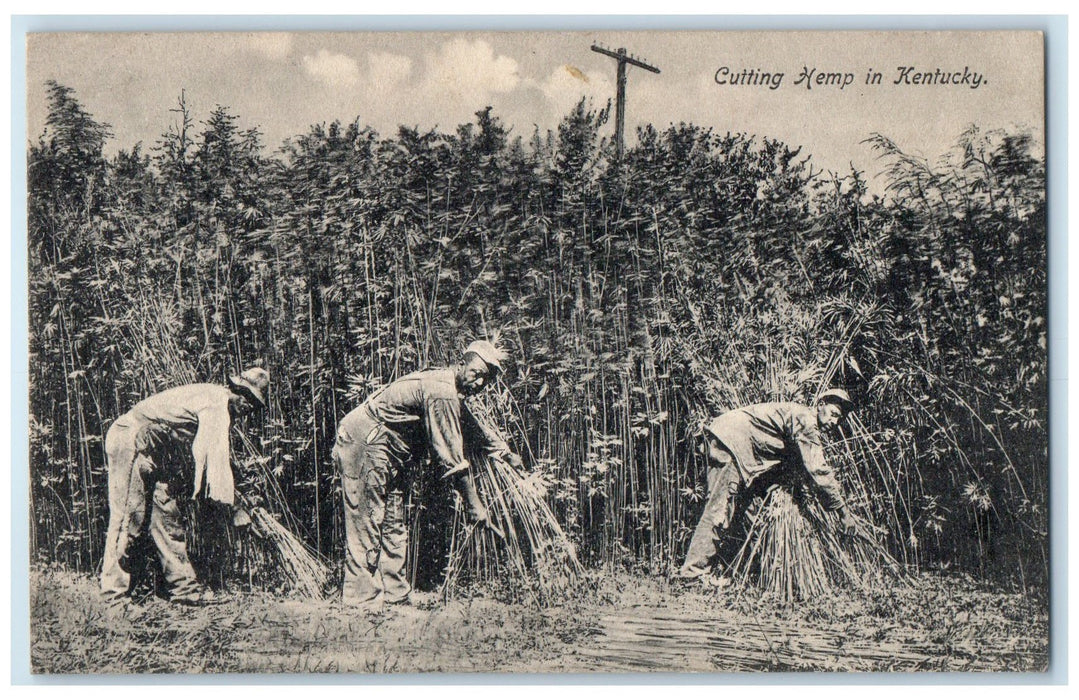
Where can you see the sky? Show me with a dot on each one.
(282, 83)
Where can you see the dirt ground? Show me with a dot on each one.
(622, 624)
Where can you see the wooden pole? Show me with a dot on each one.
(620, 99)
(620, 108)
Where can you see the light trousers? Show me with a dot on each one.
(139, 486)
(724, 484)
(376, 528)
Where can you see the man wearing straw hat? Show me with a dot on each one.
(379, 441)
(148, 472)
(745, 443)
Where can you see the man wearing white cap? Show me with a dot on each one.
(419, 414)
(743, 444)
(142, 448)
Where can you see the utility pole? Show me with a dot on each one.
(620, 102)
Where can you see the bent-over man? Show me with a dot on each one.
(745, 443)
(377, 445)
(145, 463)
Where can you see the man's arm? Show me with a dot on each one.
(807, 441)
(443, 422)
(465, 485)
(443, 418)
(486, 438)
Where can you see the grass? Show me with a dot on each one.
(622, 623)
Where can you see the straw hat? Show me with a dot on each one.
(252, 382)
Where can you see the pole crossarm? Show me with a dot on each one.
(621, 55)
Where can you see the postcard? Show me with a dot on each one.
(537, 352)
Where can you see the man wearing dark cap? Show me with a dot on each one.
(148, 472)
(743, 444)
(419, 414)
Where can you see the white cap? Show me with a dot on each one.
(487, 352)
(837, 396)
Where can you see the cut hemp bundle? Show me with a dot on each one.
(526, 541)
(795, 550)
(302, 569)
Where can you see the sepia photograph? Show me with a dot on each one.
(537, 352)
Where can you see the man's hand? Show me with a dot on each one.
(480, 518)
(240, 517)
(483, 519)
(457, 471)
(477, 514)
(847, 524)
(474, 507)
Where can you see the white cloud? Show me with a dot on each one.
(334, 69)
(387, 70)
(468, 72)
(275, 45)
